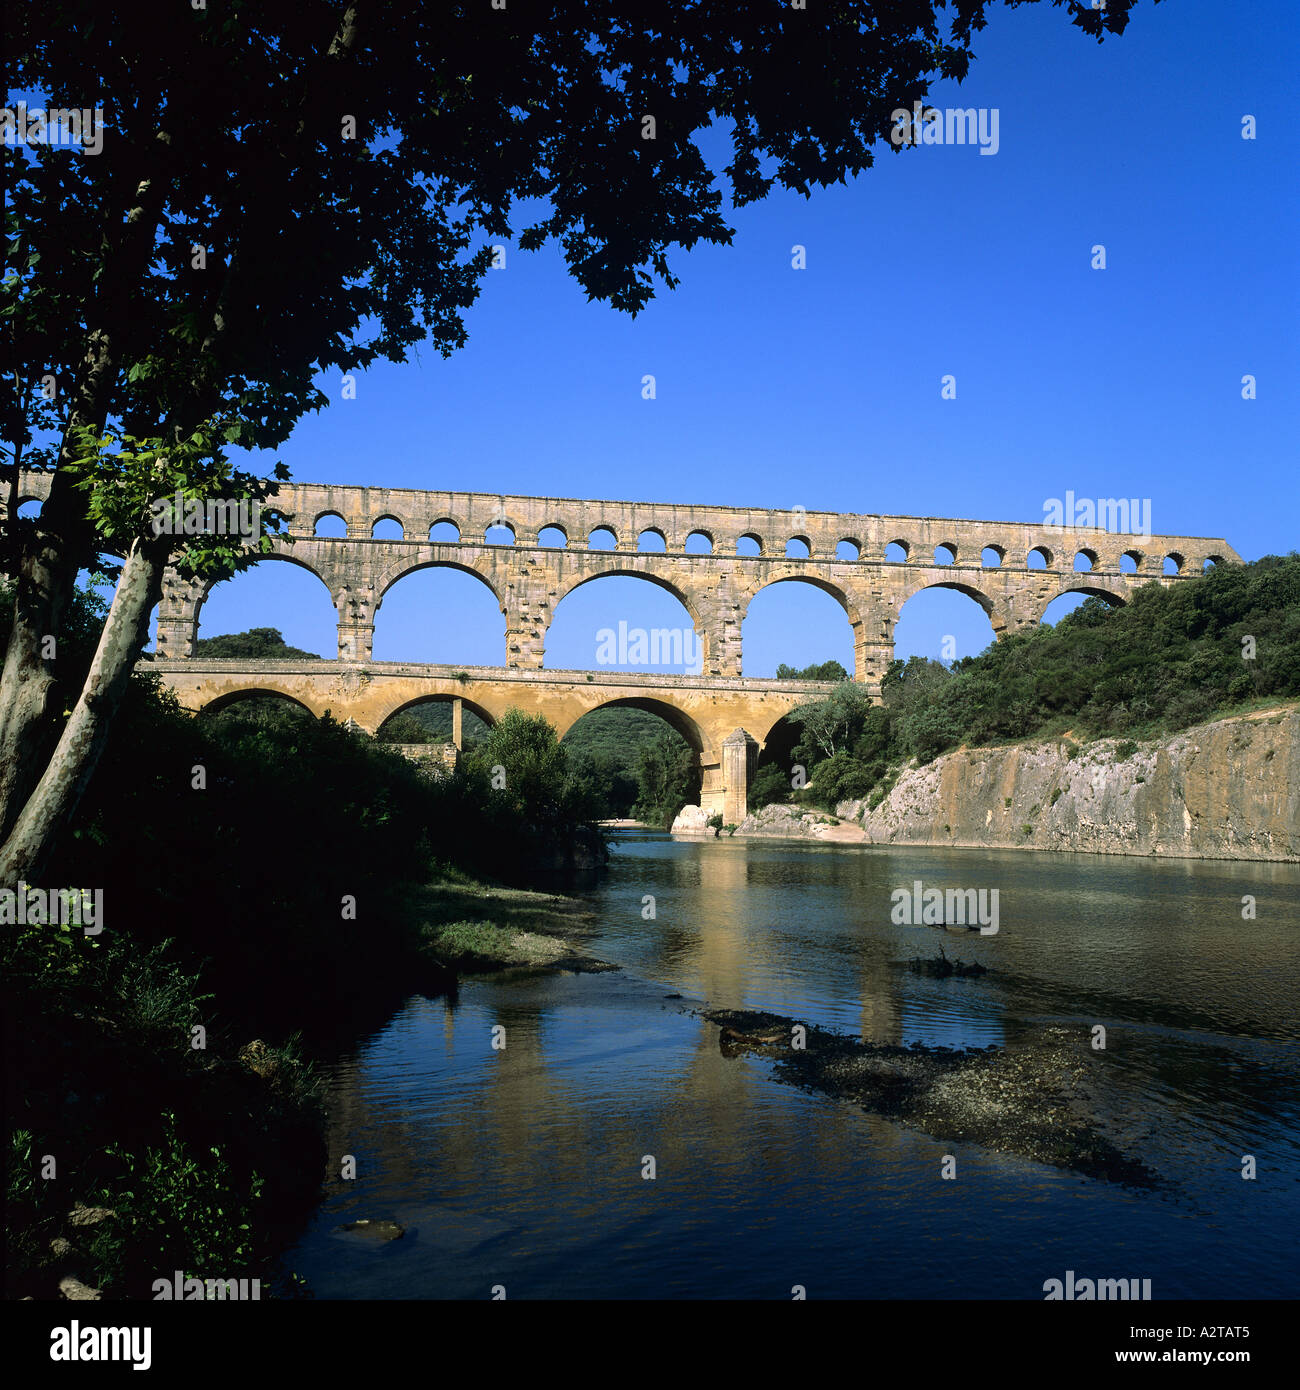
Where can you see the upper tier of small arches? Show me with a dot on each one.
(752, 544)
(418, 517)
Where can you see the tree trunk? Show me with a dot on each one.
(46, 571)
(46, 812)
(44, 586)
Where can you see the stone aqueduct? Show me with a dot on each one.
(528, 580)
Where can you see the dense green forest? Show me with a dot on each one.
(631, 763)
(1173, 657)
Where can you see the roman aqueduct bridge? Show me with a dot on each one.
(498, 539)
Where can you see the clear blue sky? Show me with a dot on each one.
(821, 387)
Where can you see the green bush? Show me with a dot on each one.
(770, 785)
(841, 777)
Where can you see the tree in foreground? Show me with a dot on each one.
(282, 193)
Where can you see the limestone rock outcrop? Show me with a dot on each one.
(1229, 789)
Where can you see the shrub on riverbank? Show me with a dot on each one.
(132, 1151)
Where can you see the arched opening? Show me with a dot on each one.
(442, 614)
(1084, 561)
(943, 623)
(499, 533)
(749, 545)
(602, 538)
(945, 554)
(553, 538)
(1067, 602)
(652, 540)
(896, 552)
(255, 709)
(331, 525)
(797, 548)
(431, 720)
(699, 543)
(1173, 563)
(387, 528)
(623, 622)
(1039, 558)
(30, 507)
(444, 531)
(279, 609)
(777, 773)
(635, 759)
(991, 557)
(796, 622)
(848, 550)
(1211, 562)
(1129, 561)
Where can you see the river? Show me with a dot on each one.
(520, 1169)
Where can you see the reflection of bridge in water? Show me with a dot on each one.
(842, 554)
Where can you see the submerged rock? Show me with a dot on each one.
(941, 968)
(374, 1230)
(1032, 1100)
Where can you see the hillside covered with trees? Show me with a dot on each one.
(1173, 657)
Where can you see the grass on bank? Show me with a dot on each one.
(470, 927)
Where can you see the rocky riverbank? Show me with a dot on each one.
(1229, 789)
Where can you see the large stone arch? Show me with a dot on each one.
(828, 586)
(404, 703)
(985, 601)
(1115, 596)
(402, 568)
(458, 702)
(679, 719)
(993, 605)
(625, 565)
(481, 565)
(198, 593)
(223, 699)
(865, 639)
(622, 568)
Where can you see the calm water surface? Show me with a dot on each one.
(523, 1167)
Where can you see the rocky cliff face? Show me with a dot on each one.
(1226, 790)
